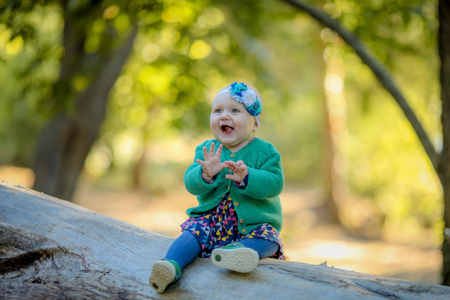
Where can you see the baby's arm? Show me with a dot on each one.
(267, 181)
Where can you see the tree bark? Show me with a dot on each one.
(444, 53)
(53, 249)
(65, 141)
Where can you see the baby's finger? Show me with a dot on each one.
(201, 162)
(229, 176)
(219, 151)
(230, 163)
(205, 153)
(242, 169)
(211, 149)
(239, 163)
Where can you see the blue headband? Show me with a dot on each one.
(242, 94)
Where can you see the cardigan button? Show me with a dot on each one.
(236, 203)
(241, 221)
(232, 155)
(229, 171)
(244, 230)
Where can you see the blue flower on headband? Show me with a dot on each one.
(255, 109)
(237, 89)
(242, 94)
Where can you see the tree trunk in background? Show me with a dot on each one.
(138, 172)
(330, 207)
(66, 140)
(53, 249)
(444, 53)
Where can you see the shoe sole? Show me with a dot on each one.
(242, 260)
(163, 274)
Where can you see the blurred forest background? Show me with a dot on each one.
(349, 155)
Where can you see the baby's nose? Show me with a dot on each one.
(225, 115)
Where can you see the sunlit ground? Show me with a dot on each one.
(305, 238)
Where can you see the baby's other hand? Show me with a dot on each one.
(239, 168)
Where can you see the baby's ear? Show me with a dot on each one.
(255, 127)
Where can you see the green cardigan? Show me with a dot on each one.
(258, 202)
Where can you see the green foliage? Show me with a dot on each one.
(385, 163)
(29, 58)
(187, 50)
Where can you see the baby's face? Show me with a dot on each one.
(231, 123)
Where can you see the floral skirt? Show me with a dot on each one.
(219, 227)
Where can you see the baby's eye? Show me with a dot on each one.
(235, 110)
(217, 110)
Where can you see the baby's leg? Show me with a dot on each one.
(264, 247)
(244, 255)
(181, 253)
(184, 249)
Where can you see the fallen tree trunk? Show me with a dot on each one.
(51, 248)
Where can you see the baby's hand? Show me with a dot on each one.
(211, 165)
(239, 168)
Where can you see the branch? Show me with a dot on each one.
(380, 72)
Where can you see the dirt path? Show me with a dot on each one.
(305, 239)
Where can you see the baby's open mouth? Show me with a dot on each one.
(226, 129)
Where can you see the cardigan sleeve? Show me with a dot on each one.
(193, 180)
(267, 181)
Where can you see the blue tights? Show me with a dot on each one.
(186, 248)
